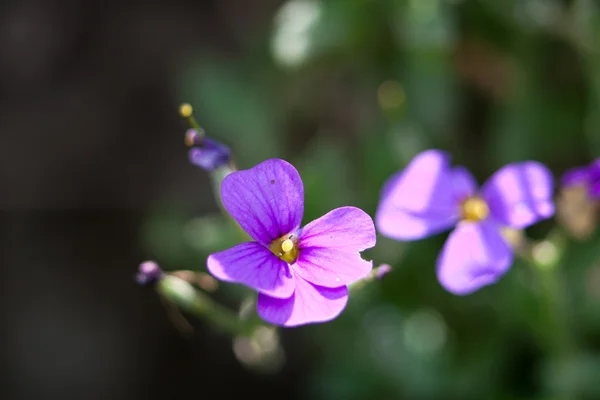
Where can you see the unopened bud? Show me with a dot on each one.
(382, 271)
(148, 273)
(210, 155)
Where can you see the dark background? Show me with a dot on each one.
(90, 138)
(94, 179)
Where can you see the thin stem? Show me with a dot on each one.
(545, 258)
(193, 301)
(187, 112)
(374, 274)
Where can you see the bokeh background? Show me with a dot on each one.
(94, 178)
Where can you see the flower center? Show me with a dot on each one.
(285, 248)
(474, 209)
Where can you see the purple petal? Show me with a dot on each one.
(575, 176)
(331, 267)
(253, 265)
(594, 180)
(475, 255)
(400, 225)
(308, 304)
(266, 200)
(419, 201)
(520, 194)
(345, 228)
(588, 177)
(329, 247)
(423, 186)
(594, 169)
(594, 191)
(464, 185)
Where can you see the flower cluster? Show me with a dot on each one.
(302, 274)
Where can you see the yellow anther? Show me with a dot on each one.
(285, 248)
(287, 245)
(474, 209)
(186, 110)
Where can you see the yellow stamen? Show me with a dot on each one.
(186, 110)
(287, 245)
(285, 248)
(474, 209)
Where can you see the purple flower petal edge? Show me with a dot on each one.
(575, 176)
(266, 200)
(255, 266)
(520, 194)
(475, 255)
(309, 304)
(420, 200)
(330, 247)
(587, 176)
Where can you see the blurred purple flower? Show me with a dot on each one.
(587, 177)
(429, 196)
(205, 152)
(300, 273)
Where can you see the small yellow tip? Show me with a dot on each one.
(287, 245)
(186, 110)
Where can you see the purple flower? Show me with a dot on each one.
(205, 152)
(429, 196)
(587, 177)
(300, 273)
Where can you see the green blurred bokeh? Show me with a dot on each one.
(349, 91)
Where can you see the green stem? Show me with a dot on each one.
(554, 293)
(554, 324)
(193, 301)
(356, 286)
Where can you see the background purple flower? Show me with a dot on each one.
(587, 176)
(300, 273)
(429, 196)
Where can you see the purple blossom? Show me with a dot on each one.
(587, 177)
(429, 196)
(205, 152)
(300, 273)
